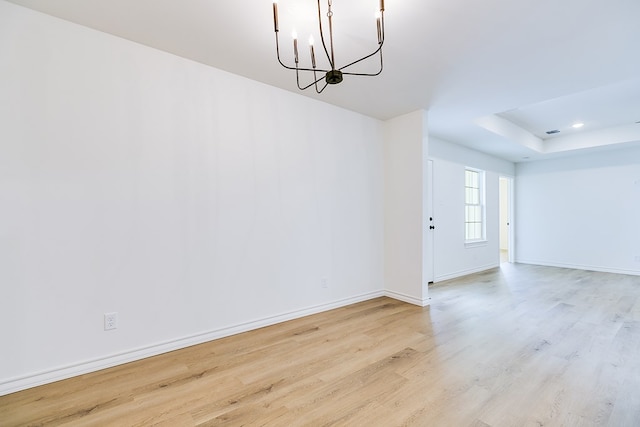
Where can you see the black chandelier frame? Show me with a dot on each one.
(332, 75)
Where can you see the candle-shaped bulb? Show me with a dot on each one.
(313, 54)
(275, 15)
(295, 45)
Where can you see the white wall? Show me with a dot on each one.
(452, 258)
(193, 202)
(405, 148)
(580, 212)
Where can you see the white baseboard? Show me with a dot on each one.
(581, 267)
(13, 385)
(408, 298)
(461, 273)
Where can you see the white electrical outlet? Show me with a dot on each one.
(324, 282)
(110, 321)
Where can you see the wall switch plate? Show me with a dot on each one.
(110, 321)
(324, 282)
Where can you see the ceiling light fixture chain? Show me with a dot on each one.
(332, 75)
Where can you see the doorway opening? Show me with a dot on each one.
(506, 223)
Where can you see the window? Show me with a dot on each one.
(473, 205)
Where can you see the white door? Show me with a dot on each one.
(429, 234)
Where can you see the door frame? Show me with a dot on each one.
(429, 224)
(510, 216)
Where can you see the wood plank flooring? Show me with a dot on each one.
(516, 346)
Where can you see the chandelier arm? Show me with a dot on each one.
(324, 45)
(378, 50)
(323, 88)
(367, 74)
(315, 82)
(363, 74)
(298, 79)
(278, 55)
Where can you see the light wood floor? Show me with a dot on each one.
(516, 346)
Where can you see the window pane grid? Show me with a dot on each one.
(474, 205)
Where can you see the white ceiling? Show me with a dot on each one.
(606, 106)
(495, 75)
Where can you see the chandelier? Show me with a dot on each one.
(332, 74)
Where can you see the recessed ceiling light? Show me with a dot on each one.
(577, 125)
